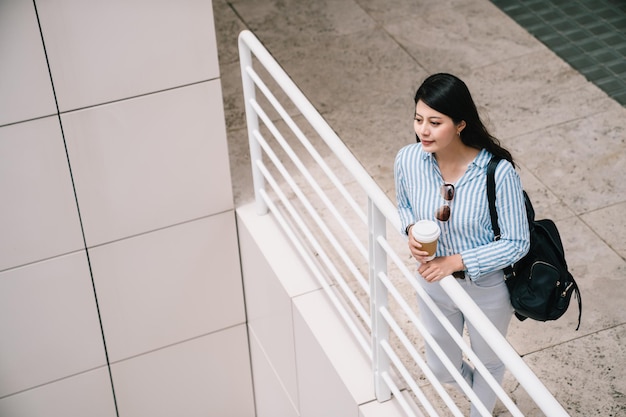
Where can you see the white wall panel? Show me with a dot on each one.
(273, 273)
(38, 215)
(208, 376)
(168, 286)
(323, 392)
(49, 323)
(269, 312)
(149, 162)
(101, 51)
(25, 89)
(271, 393)
(87, 394)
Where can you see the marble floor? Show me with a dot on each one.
(359, 62)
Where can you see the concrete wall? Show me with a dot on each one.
(120, 285)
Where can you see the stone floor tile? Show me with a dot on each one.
(227, 29)
(582, 161)
(586, 375)
(392, 10)
(610, 224)
(529, 93)
(546, 204)
(291, 23)
(461, 39)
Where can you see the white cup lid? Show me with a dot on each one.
(426, 229)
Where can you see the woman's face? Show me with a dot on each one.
(435, 130)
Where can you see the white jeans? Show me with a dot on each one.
(492, 296)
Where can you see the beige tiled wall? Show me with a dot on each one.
(119, 265)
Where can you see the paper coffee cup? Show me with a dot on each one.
(427, 233)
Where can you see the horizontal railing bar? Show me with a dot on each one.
(321, 126)
(431, 341)
(419, 393)
(495, 386)
(399, 397)
(329, 235)
(445, 323)
(313, 152)
(498, 343)
(428, 373)
(318, 248)
(320, 223)
(318, 275)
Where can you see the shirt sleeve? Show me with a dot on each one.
(405, 210)
(514, 240)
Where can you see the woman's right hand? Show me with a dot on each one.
(415, 247)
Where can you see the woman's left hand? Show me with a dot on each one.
(440, 267)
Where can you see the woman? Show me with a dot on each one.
(443, 178)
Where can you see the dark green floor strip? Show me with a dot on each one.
(588, 34)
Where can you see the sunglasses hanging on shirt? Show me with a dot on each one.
(443, 212)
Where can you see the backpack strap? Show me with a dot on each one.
(491, 197)
(580, 302)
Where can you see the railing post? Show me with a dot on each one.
(252, 121)
(378, 298)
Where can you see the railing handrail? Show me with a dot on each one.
(380, 204)
(321, 126)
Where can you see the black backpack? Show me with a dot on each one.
(540, 284)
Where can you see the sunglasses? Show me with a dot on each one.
(443, 212)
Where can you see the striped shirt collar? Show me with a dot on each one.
(481, 160)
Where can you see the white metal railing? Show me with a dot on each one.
(299, 203)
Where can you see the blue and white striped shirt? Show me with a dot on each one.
(468, 231)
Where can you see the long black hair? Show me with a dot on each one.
(449, 95)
